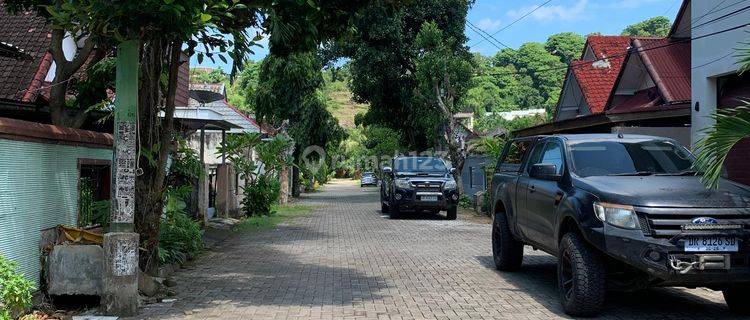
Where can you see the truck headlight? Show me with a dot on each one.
(449, 185)
(616, 214)
(403, 184)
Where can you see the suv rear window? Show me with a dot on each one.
(513, 156)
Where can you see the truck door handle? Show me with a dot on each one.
(558, 197)
(532, 189)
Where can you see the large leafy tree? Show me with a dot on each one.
(443, 71)
(653, 27)
(566, 45)
(383, 62)
(162, 28)
(289, 90)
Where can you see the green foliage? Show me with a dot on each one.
(465, 202)
(653, 27)
(566, 45)
(262, 188)
(91, 212)
(91, 92)
(241, 92)
(383, 56)
(15, 290)
(213, 76)
(732, 125)
(260, 196)
(180, 237)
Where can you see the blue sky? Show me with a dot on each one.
(580, 16)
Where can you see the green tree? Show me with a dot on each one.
(289, 90)
(213, 76)
(653, 27)
(241, 91)
(443, 72)
(383, 58)
(566, 45)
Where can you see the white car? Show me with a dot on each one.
(368, 179)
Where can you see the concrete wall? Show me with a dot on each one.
(38, 190)
(474, 167)
(712, 57)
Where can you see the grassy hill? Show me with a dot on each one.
(341, 105)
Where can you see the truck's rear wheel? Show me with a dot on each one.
(580, 277)
(506, 250)
(736, 299)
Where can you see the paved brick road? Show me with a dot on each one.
(347, 261)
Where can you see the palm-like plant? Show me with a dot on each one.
(732, 125)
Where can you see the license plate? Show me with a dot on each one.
(710, 244)
(428, 198)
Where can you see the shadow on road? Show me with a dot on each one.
(537, 278)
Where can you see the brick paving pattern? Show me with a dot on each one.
(346, 261)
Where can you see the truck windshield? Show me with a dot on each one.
(642, 157)
(418, 164)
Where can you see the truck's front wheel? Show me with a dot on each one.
(736, 299)
(506, 250)
(580, 277)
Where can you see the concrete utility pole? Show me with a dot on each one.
(120, 292)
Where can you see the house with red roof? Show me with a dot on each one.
(623, 84)
(589, 80)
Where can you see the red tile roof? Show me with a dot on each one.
(21, 77)
(596, 78)
(669, 65)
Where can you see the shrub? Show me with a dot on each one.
(465, 202)
(180, 236)
(15, 290)
(260, 196)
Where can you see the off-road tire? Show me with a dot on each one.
(582, 285)
(452, 213)
(736, 299)
(507, 251)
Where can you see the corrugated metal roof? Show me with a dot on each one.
(230, 114)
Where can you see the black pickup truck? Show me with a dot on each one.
(620, 212)
(418, 184)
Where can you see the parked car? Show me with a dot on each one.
(620, 212)
(418, 184)
(368, 179)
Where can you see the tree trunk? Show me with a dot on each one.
(60, 114)
(154, 141)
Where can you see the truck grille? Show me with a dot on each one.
(423, 186)
(669, 225)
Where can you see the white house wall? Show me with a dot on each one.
(712, 57)
(571, 103)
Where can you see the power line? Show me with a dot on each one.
(514, 22)
(482, 34)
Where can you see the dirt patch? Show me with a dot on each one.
(473, 216)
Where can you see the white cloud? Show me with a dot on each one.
(550, 13)
(489, 25)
